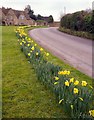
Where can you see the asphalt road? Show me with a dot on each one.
(74, 50)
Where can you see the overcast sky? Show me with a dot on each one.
(49, 7)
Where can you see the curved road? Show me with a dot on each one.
(74, 50)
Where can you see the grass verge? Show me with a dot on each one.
(77, 33)
(23, 95)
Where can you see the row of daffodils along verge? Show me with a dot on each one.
(75, 97)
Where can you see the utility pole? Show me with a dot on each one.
(93, 5)
(64, 10)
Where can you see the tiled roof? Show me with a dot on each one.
(17, 12)
(5, 11)
(27, 16)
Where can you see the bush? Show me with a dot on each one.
(79, 21)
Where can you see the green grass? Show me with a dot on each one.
(65, 66)
(23, 95)
(77, 33)
(0, 72)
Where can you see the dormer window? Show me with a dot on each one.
(22, 17)
(11, 17)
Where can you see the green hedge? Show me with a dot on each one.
(79, 21)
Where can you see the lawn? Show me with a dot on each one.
(0, 72)
(23, 95)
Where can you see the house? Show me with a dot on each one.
(10, 16)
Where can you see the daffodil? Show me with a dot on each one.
(91, 112)
(47, 54)
(72, 107)
(25, 37)
(71, 80)
(41, 49)
(66, 83)
(81, 99)
(68, 72)
(90, 86)
(29, 39)
(35, 44)
(37, 53)
(29, 54)
(28, 45)
(55, 83)
(61, 73)
(84, 83)
(75, 91)
(32, 48)
(76, 82)
(21, 43)
(61, 101)
(56, 78)
(65, 72)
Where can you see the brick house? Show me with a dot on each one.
(10, 16)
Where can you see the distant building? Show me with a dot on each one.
(88, 10)
(10, 16)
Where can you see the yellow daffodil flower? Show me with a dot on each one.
(29, 54)
(32, 48)
(56, 78)
(81, 99)
(91, 112)
(37, 53)
(55, 83)
(66, 83)
(76, 82)
(72, 107)
(71, 80)
(47, 54)
(84, 83)
(65, 72)
(75, 91)
(21, 43)
(41, 49)
(90, 86)
(29, 39)
(35, 44)
(25, 37)
(61, 101)
(28, 45)
(68, 72)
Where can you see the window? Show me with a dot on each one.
(22, 17)
(11, 17)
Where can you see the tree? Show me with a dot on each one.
(39, 17)
(50, 20)
(92, 22)
(31, 12)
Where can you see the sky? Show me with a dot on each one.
(49, 7)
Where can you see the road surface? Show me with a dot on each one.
(74, 50)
